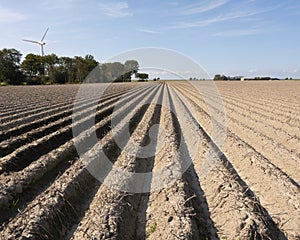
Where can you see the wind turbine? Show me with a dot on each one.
(41, 43)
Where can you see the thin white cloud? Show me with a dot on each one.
(238, 32)
(8, 15)
(148, 31)
(200, 23)
(222, 18)
(203, 7)
(115, 9)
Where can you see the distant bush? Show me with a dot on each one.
(142, 77)
(219, 77)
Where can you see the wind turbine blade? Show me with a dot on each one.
(44, 35)
(31, 41)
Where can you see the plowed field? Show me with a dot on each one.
(50, 191)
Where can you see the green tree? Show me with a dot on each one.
(80, 71)
(125, 77)
(219, 77)
(142, 76)
(33, 66)
(66, 70)
(132, 65)
(84, 66)
(90, 64)
(90, 61)
(117, 69)
(50, 63)
(113, 71)
(10, 66)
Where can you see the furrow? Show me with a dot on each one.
(23, 99)
(285, 124)
(24, 155)
(35, 110)
(31, 97)
(53, 213)
(177, 208)
(273, 110)
(278, 193)
(278, 154)
(278, 94)
(27, 126)
(63, 111)
(258, 106)
(105, 217)
(155, 160)
(66, 103)
(9, 145)
(226, 193)
(17, 185)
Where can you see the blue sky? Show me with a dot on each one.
(232, 37)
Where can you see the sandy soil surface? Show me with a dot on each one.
(193, 184)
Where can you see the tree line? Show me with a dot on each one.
(50, 69)
(219, 77)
